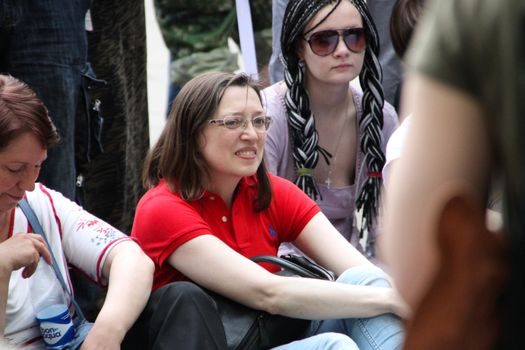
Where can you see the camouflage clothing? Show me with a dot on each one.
(196, 32)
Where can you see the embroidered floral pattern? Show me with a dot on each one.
(103, 233)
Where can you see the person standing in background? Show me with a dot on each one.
(112, 178)
(44, 44)
(405, 16)
(101, 118)
(381, 12)
(275, 67)
(197, 33)
(112, 136)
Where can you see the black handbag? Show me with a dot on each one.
(250, 329)
(297, 265)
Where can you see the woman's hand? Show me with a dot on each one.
(101, 338)
(399, 306)
(19, 251)
(23, 251)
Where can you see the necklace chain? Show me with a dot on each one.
(328, 180)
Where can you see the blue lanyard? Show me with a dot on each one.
(35, 224)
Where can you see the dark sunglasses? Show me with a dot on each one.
(324, 42)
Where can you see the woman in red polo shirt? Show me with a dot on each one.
(211, 205)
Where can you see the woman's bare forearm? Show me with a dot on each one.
(316, 299)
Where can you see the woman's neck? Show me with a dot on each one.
(328, 98)
(5, 223)
(332, 108)
(224, 189)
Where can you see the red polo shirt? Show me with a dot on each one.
(164, 221)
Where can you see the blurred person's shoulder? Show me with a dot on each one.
(454, 38)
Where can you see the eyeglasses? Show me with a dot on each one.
(260, 124)
(324, 42)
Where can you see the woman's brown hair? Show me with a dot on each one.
(176, 157)
(405, 15)
(21, 111)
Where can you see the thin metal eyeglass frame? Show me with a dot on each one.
(244, 124)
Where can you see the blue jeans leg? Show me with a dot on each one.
(324, 341)
(44, 44)
(380, 332)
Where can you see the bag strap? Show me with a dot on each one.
(35, 224)
(311, 265)
(290, 263)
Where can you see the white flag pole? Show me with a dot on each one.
(244, 22)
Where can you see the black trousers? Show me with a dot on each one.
(179, 315)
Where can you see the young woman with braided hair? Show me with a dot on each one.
(329, 136)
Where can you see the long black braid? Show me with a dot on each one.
(301, 120)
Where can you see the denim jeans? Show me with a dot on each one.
(323, 341)
(43, 43)
(379, 333)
